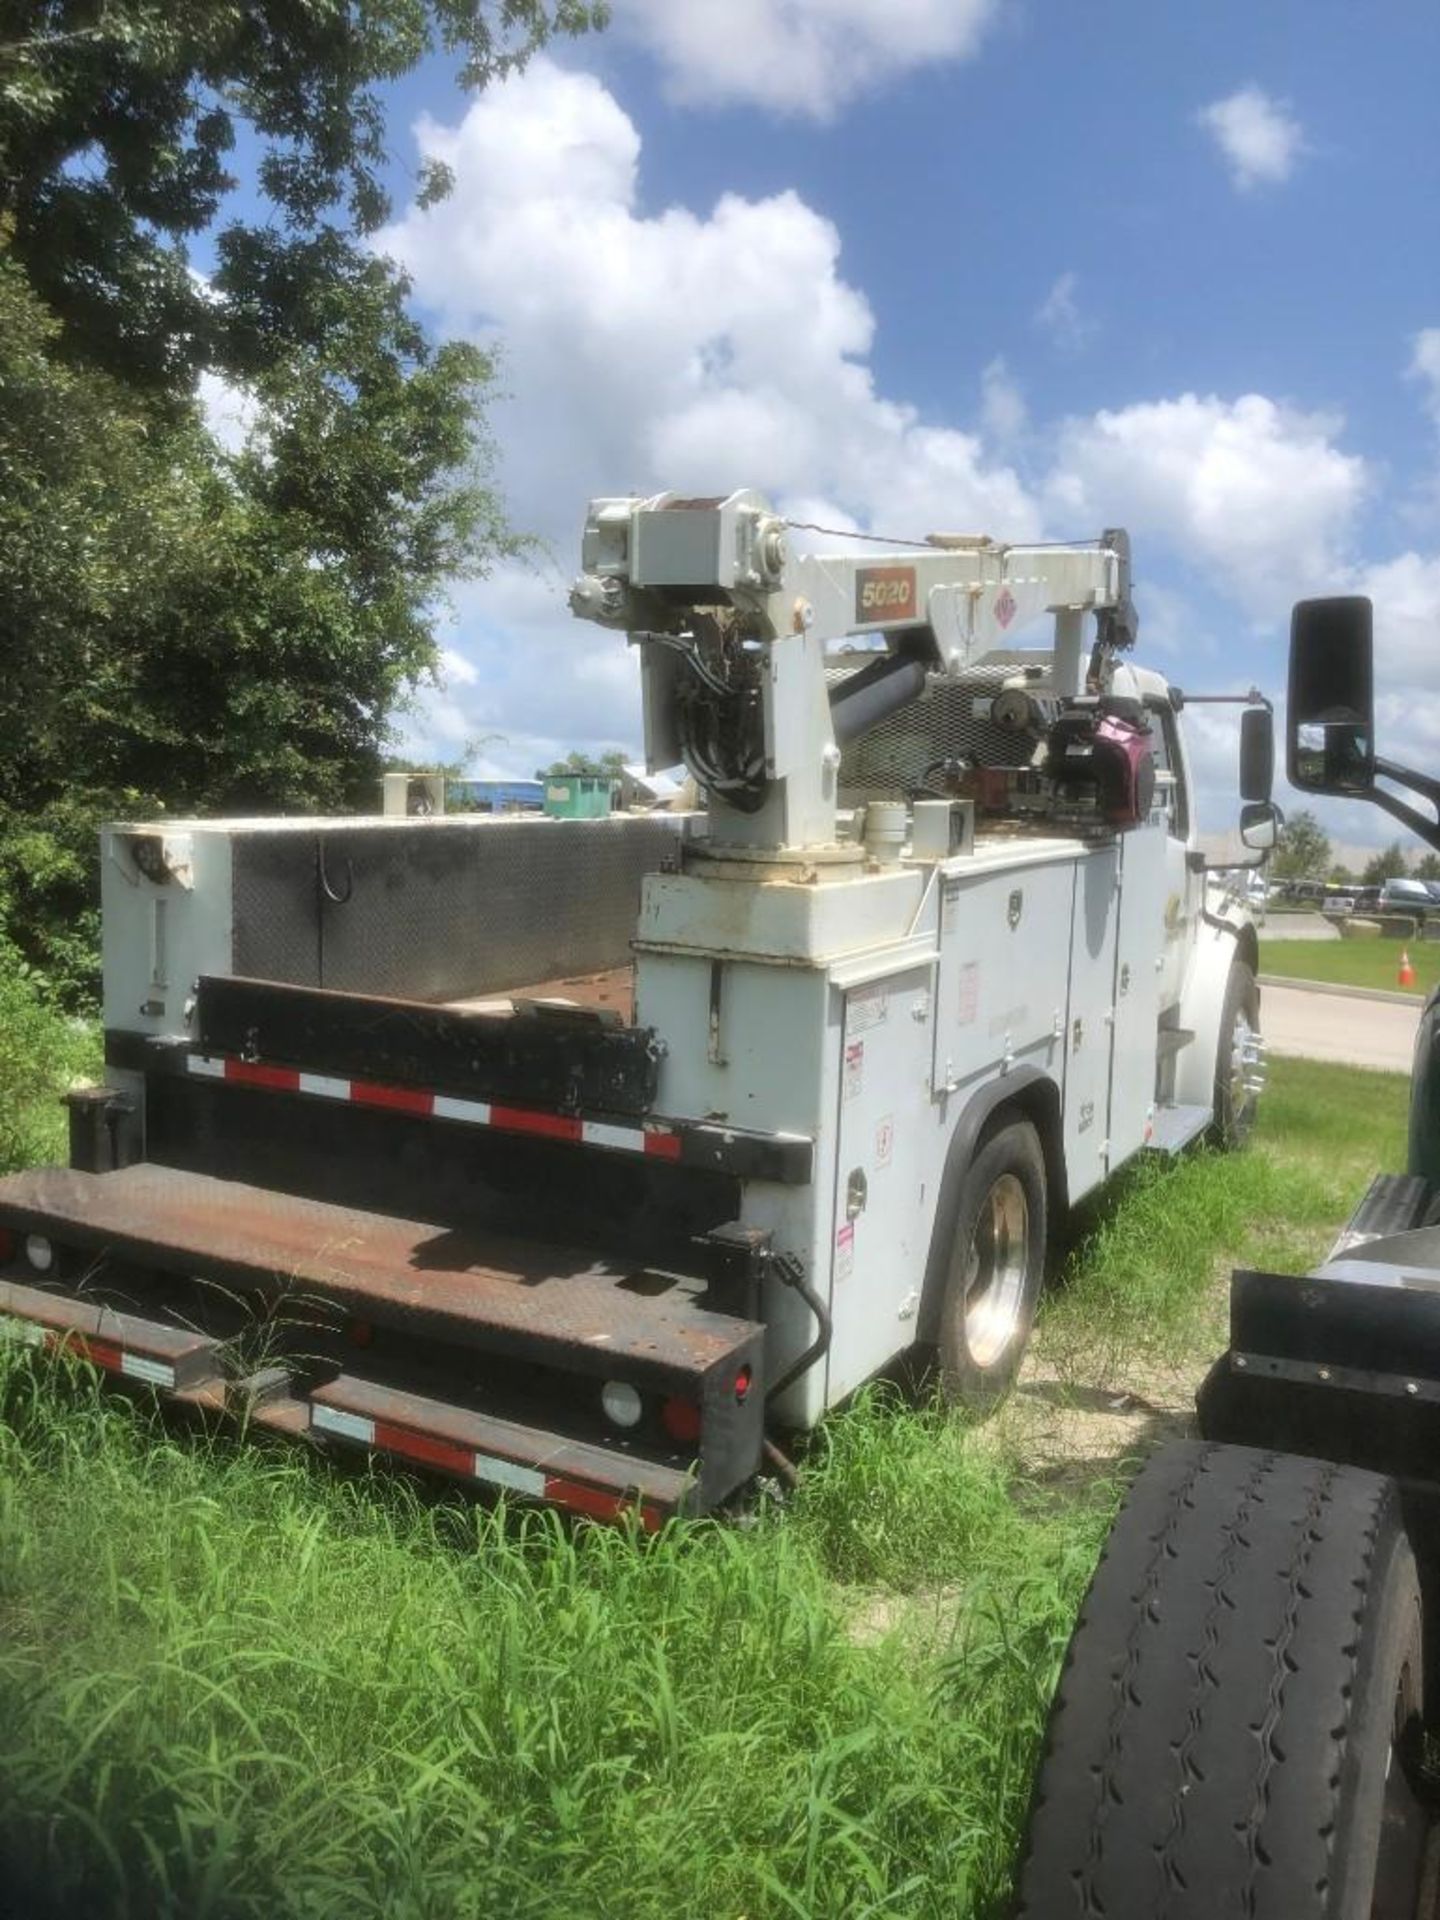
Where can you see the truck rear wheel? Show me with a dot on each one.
(1235, 1063)
(997, 1262)
(1236, 1725)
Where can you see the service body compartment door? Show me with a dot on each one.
(1139, 962)
(1004, 946)
(1087, 1029)
(887, 1125)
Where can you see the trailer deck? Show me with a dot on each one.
(304, 1314)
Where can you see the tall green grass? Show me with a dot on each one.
(41, 1053)
(1145, 1279)
(236, 1681)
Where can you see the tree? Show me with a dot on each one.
(1388, 864)
(1427, 867)
(117, 119)
(185, 627)
(586, 766)
(1302, 851)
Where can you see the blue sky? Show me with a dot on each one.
(1020, 268)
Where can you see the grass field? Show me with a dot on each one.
(1352, 963)
(241, 1682)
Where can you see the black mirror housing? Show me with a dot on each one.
(1330, 720)
(1257, 753)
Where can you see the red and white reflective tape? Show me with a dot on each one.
(100, 1353)
(662, 1143)
(429, 1450)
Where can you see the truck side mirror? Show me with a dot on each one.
(1259, 826)
(1257, 753)
(1330, 722)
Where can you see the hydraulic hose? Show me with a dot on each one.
(793, 1277)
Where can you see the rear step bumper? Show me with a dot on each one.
(501, 1455)
(120, 1343)
(447, 1308)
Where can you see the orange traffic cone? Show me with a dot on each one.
(1407, 972)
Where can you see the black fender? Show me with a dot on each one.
(1024, 1094)
(1424, 1155)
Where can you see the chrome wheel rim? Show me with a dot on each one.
(996, 1263)
(1242, 1046)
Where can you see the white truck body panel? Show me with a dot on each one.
(1030, 953)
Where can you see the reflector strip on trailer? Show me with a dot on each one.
(100, 1353)
(659, 1142)
(430, 1450)
(710, 1145)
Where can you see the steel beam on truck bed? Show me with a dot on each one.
(569, 1058)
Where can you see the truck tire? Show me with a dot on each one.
(996, 1265)
(1236, 1721)
(1235, 1107)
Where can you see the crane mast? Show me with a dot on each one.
(734, 630)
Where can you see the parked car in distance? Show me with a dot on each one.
(1406, 896)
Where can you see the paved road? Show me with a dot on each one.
(1335, 1026)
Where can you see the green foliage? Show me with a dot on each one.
(1427, 867)
(1302, 851)
(1388, 864)
(206, 634)
(203, 631)
(185, 646)
(586, 766)
(42, 1052)
(116, 123)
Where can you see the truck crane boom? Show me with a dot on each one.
(734, 629)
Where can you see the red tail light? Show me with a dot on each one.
(680, 1419)
(742, 1384)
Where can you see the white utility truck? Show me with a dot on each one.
(417, 1135)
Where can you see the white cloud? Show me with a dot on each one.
(1406, 593)
(230, 411)
(649, 347)
(805, 58)
(1255, 494)
(1059, 315)
(669, 349)
(1003, 412)
(456, 670)
(666, 349)
(1258, 136)
(1425, 367)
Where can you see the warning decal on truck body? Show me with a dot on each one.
(866, 1007)
(854, 1079)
